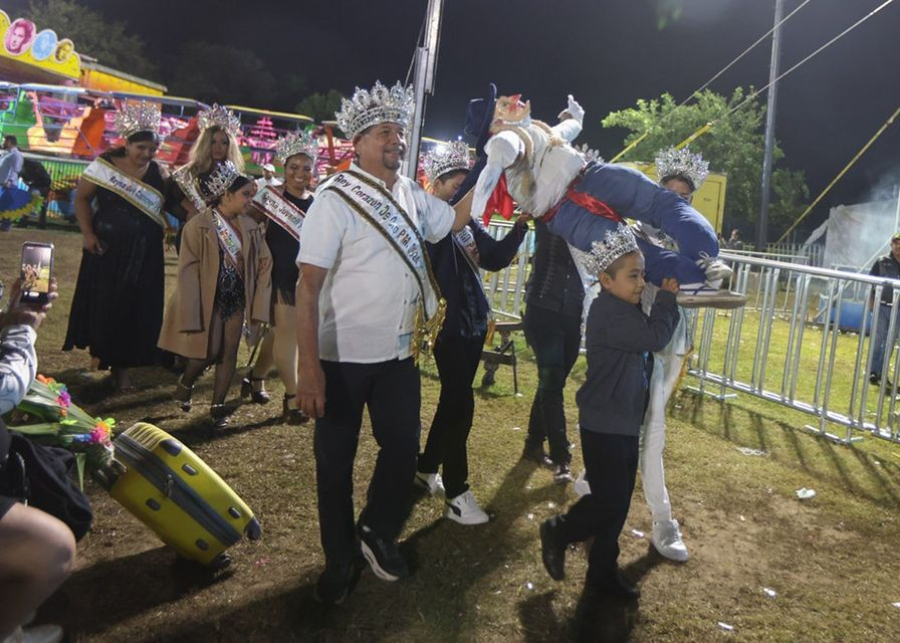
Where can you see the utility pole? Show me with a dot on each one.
(423, 80)
(762, 226)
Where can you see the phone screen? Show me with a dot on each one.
(37, 261)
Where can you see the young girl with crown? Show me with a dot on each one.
(224, 278)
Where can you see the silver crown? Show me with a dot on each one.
(220, 180)
(446, 158)
(682, 164)
(589, 154)
(378, 105)
(137, 117)
(221, 117)
(616, 243)
(296, 143)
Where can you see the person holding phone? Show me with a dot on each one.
(118, 303)
(37, 551)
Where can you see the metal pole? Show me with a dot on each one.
(762, 227)
(423, 81)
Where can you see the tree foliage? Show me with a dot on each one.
(223, 74)
(734, 146)
(108, 42)
(320, 107)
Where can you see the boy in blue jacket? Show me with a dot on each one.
(620, 341)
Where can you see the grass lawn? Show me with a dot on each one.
(832, 561)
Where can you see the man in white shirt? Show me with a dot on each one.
(365, 288)
(11, 163)
(268, 177)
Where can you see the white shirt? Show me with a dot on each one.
(553, 167)
(18, 365)
(262, 182)
(11, 167)
(367, 307)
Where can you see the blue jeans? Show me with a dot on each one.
(881, 335)
(632, 195)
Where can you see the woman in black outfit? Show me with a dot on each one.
(297, 153)
(457, 351)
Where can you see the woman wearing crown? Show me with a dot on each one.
(456, 260)
(118, 302)
(285, 208)
(219, 141)
(224, 278)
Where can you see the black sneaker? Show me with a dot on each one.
(337, 581)
(552, 553)
(875, 380)
(562, 474)
(383, 557)
(536, 454)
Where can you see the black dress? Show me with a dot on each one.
(117, 308)
(284, 249)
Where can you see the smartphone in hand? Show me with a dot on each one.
(37, 270)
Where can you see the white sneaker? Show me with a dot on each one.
(36, 634)
(430, 482)
(715, 268)
(464, 509)
(705, 296)
(582, 487)
(666, 538)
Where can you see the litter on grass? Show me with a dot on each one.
(726, 626)
(805, 494)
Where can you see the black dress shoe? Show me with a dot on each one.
(615, 586)
(552, 553)
(337, 581)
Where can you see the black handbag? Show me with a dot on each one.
(40, 476)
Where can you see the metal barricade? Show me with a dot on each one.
(807, 344)
(505, 289)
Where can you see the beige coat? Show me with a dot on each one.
(185, 329)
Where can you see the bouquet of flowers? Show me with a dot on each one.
(61, 423)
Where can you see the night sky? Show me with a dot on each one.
(608, 54)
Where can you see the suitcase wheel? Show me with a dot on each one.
(253, 530)
(220, 562)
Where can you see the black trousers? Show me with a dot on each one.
(457, 360)
(611, 462)
(555, 339)
(391, 391)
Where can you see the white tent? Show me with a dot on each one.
(858, 234)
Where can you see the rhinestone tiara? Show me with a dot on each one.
(682, 164)
(590, 155)
(378, 105)
(296, 143)
(445, 158)
(615, 244)
(137, 117)
(221, 117)
(220, 180)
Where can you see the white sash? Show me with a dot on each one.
(142, 196)
(465, 241)
(185, 181)
(229, 241)
(280, 210)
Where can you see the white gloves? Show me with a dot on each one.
(574, 110)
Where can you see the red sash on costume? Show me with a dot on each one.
(584, 201)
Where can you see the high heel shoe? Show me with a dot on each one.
(219, 414)
(293, 416)
(183, 394)
(256, 396)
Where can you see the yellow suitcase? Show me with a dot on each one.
(172, 491)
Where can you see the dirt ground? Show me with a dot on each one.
(831, 561)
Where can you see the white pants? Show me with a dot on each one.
(666, 369)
